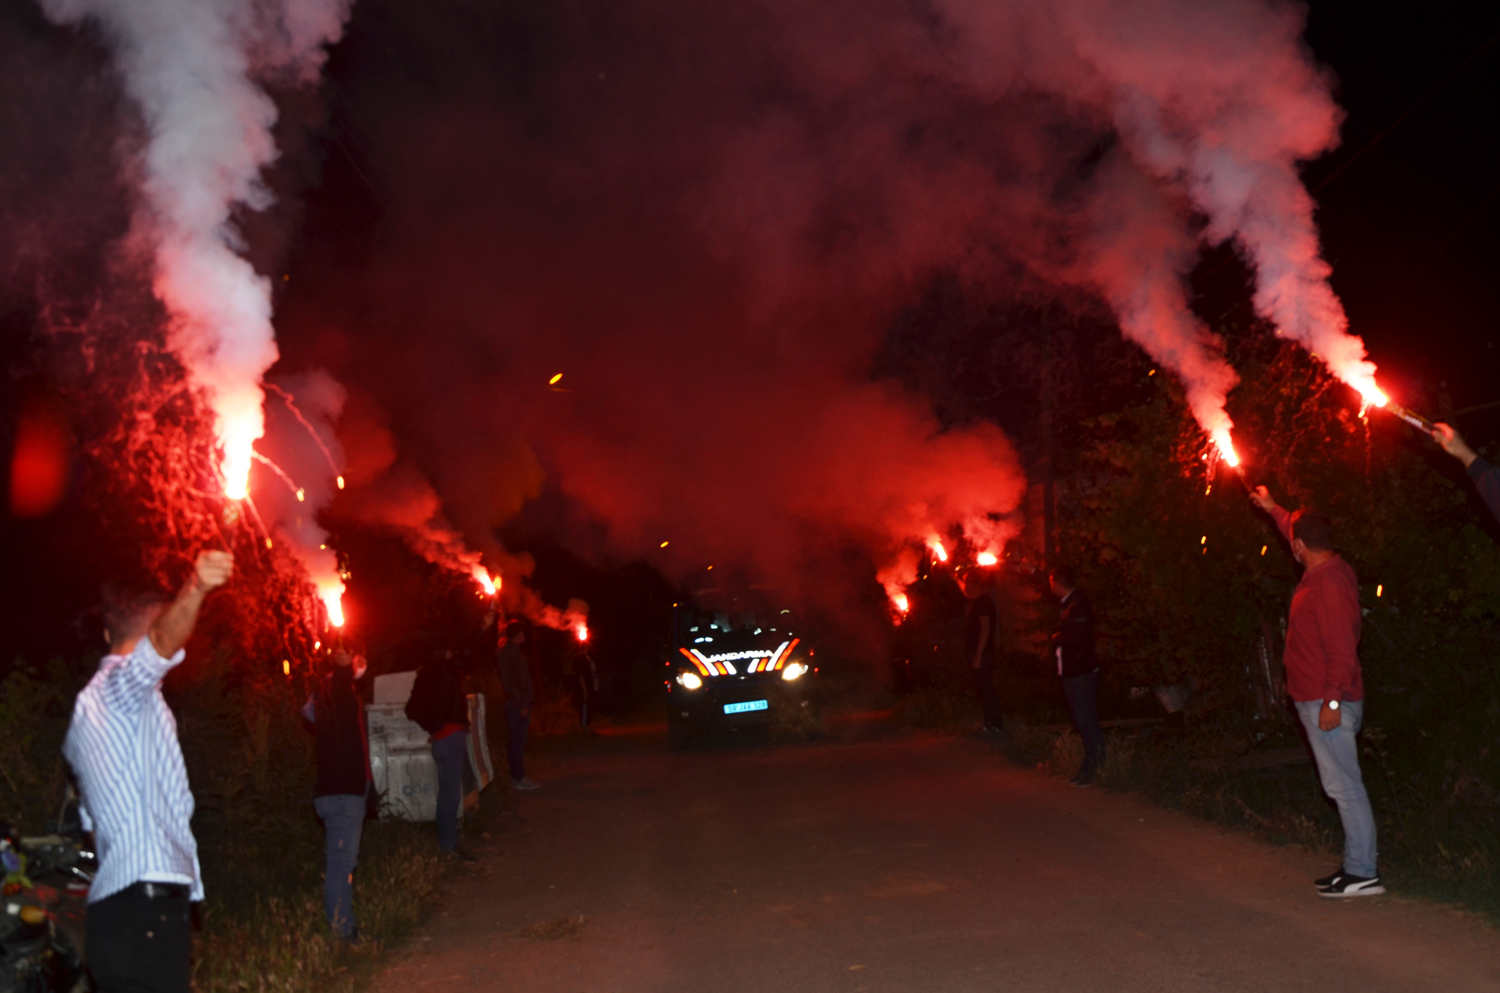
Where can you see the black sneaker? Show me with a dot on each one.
(1330, 879)
(992, 729)
(1349, 885)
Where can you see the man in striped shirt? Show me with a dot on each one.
(122, 745)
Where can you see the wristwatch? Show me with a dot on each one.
(1333, 705)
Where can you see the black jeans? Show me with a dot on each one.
(989, 697)
(1082, 693)
(140, 944)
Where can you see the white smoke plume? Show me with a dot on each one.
(1221, 101)
(195, 69)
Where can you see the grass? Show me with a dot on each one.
(278, 940)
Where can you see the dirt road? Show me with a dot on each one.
(907, 863)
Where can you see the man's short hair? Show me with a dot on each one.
(1064, 575)
(129, 610)
(1315, 530)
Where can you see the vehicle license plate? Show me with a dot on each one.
(748, 705)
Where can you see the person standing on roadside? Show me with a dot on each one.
(515, 675)
(1324, 680)
(1078, 668)
(1486, 477)
(981, 640)
(341, 792)
(122, 744)
(439, 705)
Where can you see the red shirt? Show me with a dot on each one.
(1322, 634)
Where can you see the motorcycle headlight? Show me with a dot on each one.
(793, 670)
(689, 680)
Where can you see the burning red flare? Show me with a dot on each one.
(490, 585)
(987, 558)
(901, 603)
(936, 544)
(332, 595)
(1226, 448)
(581, 632)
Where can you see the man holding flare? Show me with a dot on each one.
(1324, 680)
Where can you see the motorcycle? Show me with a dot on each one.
(44, 899)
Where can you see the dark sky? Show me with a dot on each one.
(1410, 225)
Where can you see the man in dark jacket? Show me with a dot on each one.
(515, 674)
(343, 783)
(1486, 477)
(438, 704)
(1078, 669)
(981, 629)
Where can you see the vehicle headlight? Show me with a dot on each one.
(793, 671)
(689, 680)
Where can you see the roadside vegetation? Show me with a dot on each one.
(1191, 588)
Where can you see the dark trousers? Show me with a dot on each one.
(1082, 693)
(516, 724)
(139, 944)
(448, 756)
(989, 697)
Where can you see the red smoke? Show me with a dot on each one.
(707, 215)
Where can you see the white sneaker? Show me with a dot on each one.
(1348, 885)
(525, 784)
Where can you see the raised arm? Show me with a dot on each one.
(1261, 497)
(175, 625)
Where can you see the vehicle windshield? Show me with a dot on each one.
(714, 631)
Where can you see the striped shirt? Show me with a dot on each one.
(123, 748)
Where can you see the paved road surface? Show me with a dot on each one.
(907, 863)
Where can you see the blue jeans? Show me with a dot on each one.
(448, 755)
(516, 724)
(1337, 756)
(1083, 705)
(343, 821)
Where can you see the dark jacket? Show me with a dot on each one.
(1487, 478)
(515, 673)
(1073, 643)
(343, 747)
(437, 696)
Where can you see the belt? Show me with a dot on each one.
(158, 891)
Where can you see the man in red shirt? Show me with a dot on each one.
(1324, 681)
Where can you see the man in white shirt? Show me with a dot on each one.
(122, 745)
